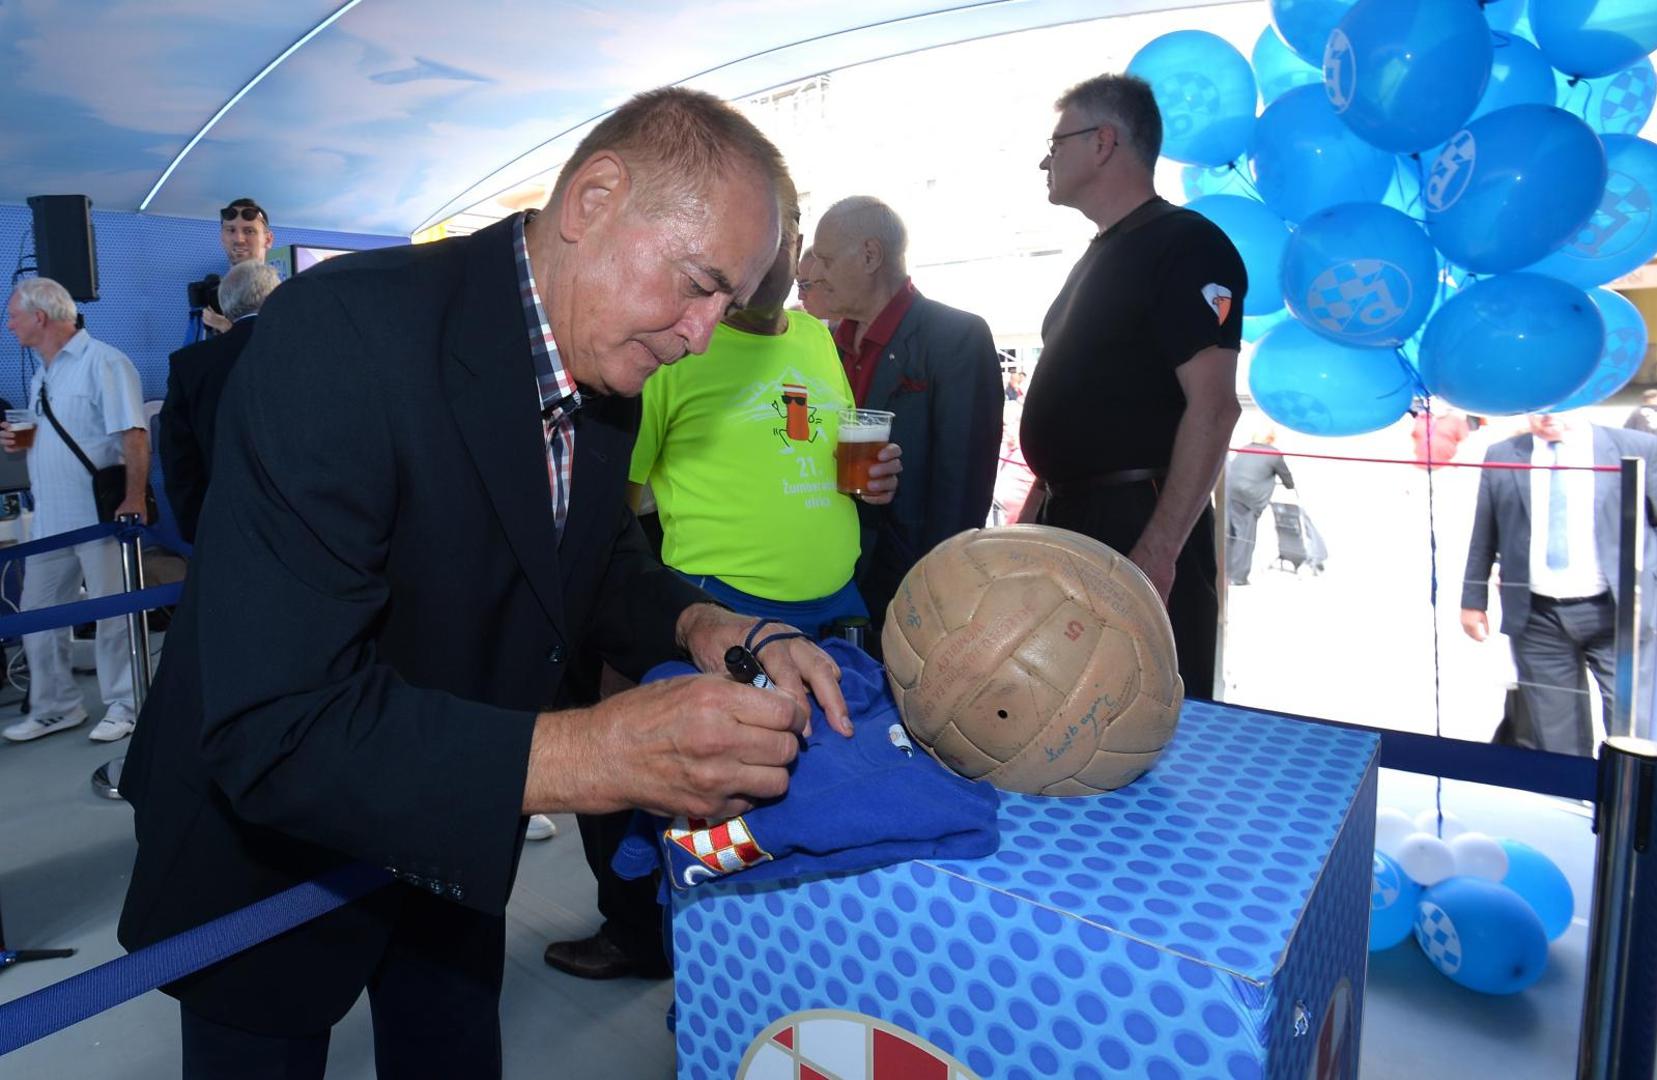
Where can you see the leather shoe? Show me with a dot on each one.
(598, 957)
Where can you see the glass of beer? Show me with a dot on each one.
(22, 424)
(863, 433)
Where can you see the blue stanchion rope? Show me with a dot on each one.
(53, 1008)
(112, 606)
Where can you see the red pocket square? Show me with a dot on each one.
(907, 385)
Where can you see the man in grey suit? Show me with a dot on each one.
(1553, 528)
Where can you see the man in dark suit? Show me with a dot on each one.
(418, 522)
(196, 376)
(933, 367)
(1553, 527)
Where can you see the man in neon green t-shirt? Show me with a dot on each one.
(737, 445)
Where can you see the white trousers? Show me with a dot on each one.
(55, 578)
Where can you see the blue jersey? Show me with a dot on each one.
(852, 804)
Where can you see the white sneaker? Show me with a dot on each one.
(541, 827)
(33, 727)
(116, 724)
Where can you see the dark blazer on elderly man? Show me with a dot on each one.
(196, 375)
(378, 608)
(941, 378)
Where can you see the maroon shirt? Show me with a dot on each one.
(862, 362)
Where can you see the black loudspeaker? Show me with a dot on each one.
(65, 250)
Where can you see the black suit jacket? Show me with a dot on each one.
(941, 378)
(378, 607)
(196, 375)
(1501, 525)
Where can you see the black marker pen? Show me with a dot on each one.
(744, 667)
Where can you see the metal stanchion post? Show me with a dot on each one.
(1619, 1012)
(1627, 717)
(106, 778)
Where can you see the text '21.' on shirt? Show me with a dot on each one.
(1151, 292)
(738, 447)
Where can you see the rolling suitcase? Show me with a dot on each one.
(1299, 544)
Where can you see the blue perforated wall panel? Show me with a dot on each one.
(1210, 920)
(143, 265)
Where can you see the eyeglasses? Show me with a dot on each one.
(246, 213)
(1053, 143)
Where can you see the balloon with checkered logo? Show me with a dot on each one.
(1205, 91)
(1481, 935)
(1621, 232)
(1621, 356)
(1392, 901)
(1360, 274)
(1617, 104)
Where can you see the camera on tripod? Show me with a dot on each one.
(204, 293)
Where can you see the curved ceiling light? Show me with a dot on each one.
(448, 208)
(255, 81)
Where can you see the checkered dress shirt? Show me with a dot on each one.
(559, 397)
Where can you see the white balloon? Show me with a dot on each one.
(1391, 826)
(1478, 855)
(1427, 822)
(1426, 858)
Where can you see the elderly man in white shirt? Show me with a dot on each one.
(94, 392)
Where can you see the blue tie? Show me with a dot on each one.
(1559, 551)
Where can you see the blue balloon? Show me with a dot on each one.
(1312, 385)
(1618, 104)
(1594, 37)
(1392, 898)
(1513, 186)
(1539, 881)
(1278, 69)
(1305, 25)
(1481, 935)
(1259, 236)
(1406, 74)
(1511, 344)
(1255, 327)
(1504, 15)
(1360, 274)
(1205, 91)
(1622, 232)
(1519, 75)
(1304, 158)
(1620, 358)
(1200, 180)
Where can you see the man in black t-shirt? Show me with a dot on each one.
(1130, 410)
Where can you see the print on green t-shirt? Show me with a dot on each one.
(738, 447)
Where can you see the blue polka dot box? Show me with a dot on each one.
(1210, 920)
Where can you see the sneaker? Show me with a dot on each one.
(33, 727)
(115, 725)
(541, 827)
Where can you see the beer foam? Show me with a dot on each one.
(865, 433)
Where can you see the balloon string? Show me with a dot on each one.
(1243, 178)
(1432, 605)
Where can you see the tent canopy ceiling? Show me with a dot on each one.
(383, 117)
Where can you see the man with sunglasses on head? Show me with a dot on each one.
(1129, 412)
(244, 231)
